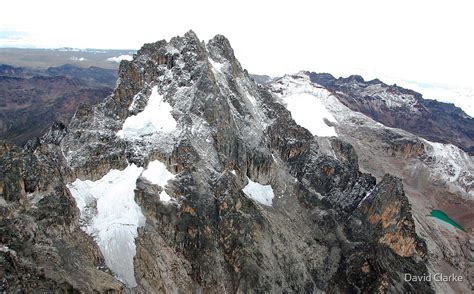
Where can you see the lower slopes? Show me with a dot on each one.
(32, 99)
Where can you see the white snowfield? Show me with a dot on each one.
(111, 216)
(310, 113)
(159, 175)
(306, 104)
(263, 194)
(216, 66)
(155, 118)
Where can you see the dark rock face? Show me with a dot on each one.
(397, 107)
(329, 228)
(43, 249)
(31, 99)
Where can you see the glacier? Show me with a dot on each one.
(111, 216)
(306, 104)
(310, 113)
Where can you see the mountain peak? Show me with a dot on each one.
(220, 45)
(193, 173)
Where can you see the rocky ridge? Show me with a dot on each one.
(404, 109)
(435, 175)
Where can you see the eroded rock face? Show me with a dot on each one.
(388, 210)
(209, 235)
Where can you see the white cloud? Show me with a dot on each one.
(120, 58)
(74, 58)
(461, 97)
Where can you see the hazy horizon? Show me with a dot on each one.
(422, 44)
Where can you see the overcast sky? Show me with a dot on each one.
(425, 42)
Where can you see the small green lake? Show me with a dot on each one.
(444, 217)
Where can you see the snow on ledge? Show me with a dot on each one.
(216, 65)
(263, 194)
(159, 175)
(111, 216)
(156, 117)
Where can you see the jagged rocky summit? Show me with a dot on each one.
(190, 177)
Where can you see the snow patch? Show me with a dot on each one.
(448, 156)
(300, 83)
(310, 105)
(120, 58)
(310, 113)
(111, 216)
(216, 66)
(156, 117)
(263, 194)
(159, 175)
(133, 105)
